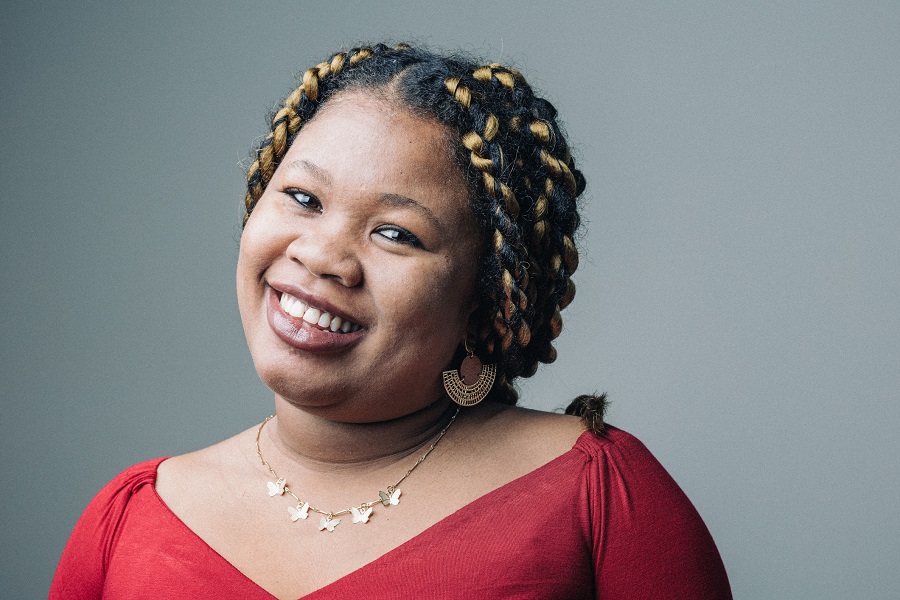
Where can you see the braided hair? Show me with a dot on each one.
(522, 182)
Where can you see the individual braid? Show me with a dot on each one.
(298, 107)
(522, 181)
(561, 185)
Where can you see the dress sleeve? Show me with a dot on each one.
(81, 572)
(649, 542)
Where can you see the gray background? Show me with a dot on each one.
(738, 296)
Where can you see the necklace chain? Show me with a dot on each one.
(360, 512)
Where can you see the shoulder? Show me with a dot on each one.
(619, 464)
(124, 485)
(642, 522)
(494, 444)
(534, 437)
(82, 566)
(552, 434)
(616, 445)
(600, 461)
(105, 510)
(188, 482)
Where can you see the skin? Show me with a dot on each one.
(351, 220)
(353, 413)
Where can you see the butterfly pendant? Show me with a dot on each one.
(301, 512)
(360, 515)
(277, 488)
(392, 498)
(329, 524)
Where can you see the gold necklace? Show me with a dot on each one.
(361, 512)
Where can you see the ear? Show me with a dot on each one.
(475, 324)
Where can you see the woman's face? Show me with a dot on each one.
(357, 266)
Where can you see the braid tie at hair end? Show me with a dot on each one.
(591, 408)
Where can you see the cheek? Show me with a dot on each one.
(256, 251)
(436, 298)
(246, 288)
(246, 264)
(260, 242)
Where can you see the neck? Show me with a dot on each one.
(323, 444)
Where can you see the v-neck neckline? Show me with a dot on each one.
(427, 532)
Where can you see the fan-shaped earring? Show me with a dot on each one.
(475, 383)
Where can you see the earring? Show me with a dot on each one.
(477, 379)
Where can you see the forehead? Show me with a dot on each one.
(360, 122)
(362, 144)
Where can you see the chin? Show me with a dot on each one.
(344, 402)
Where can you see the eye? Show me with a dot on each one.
(305, 200)
(399, 235)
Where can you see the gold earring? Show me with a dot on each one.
(475, 383)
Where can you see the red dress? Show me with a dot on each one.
(604, 520)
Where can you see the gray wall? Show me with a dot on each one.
(738, 298)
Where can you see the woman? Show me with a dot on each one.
(407, 250)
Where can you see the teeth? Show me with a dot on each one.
(315, 316)
(292, 306)
(312, 315)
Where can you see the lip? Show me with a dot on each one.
(300, 334)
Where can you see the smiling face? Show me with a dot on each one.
(357, 266)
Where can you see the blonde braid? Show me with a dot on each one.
(558, 171)
(287, 121)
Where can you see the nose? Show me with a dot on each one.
(327, 250)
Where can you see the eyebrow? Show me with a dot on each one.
(400, 201)
(314, 170)
(393, 200)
